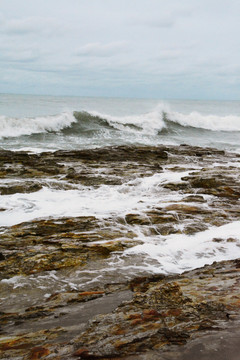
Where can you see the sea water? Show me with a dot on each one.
(48, 123)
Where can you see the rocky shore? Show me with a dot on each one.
(115, 313)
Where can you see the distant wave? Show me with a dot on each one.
(160, 120)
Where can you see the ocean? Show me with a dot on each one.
(48, 123)
(37, 124)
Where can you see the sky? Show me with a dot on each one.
(188, 49)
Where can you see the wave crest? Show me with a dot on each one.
(81, 122)
(150, 123)
(13, 127)
(159, 121)
(207, 122)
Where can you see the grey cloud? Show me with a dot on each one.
(28, 25)
(169, 54)
(163, 19)
(102, 49)
(20, 52)
(160, 23)
(130, 42)
(19, 56)
(1, 18)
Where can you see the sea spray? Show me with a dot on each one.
(15, 127)
(208, 122)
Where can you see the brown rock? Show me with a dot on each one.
(38, 353)
(206, 183)
(137, 219)
(23, 188)
(186, 209)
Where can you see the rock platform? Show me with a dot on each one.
(142, 316)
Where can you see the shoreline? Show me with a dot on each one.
(89, 264)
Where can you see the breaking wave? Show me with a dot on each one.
(150, 123)
(14, 127)
(207, 122)
(160, 120)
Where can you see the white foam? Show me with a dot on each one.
(34, 150)
(176, 253)
(208, 122)
(149, 123)
(13, 127)
(227, 164)
(153, 121)
(136, 195)
(15, 281)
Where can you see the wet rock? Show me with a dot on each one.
(206, 183)
(70, 297)
(47, 245)
(159, 217)
(23, 188)
(164, 312)
(218, 240)
(137, 219)
(192, 229)
(231, 240)
(194, 198)
(39, 352)
(27, 345)
(94, 180)
(165, 230)
(186, 209)
(225, 191)
(177, 186)
(160, 312)
(116, 154)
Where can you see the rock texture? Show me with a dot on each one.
(115, 314)
(166, 318)
(165, 312)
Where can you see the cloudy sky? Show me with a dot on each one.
(128, 48)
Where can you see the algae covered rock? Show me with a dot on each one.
(55, 244)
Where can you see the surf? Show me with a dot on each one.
(127, 124)
(208, 122)
(16, 127)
